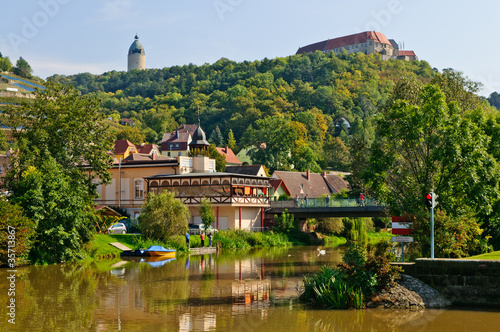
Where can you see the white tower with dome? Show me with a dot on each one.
(136, 55)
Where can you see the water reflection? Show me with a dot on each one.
(236, 291)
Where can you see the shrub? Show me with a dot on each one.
(330, 226)
(13, 220)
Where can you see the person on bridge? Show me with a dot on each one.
(306, 200)
(296, 201)
(362, 199)
(328, 200)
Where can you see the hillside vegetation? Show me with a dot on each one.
(302, 96)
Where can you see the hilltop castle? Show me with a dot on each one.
(136, 55)
(368, 42)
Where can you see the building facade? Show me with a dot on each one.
(368, 42)
(239, 200)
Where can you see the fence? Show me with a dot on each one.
(323, 202)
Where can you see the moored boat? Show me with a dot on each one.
(157, 251)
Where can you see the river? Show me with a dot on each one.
(235, 291)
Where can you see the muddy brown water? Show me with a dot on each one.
(235, 291)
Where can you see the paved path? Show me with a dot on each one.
(119, 246)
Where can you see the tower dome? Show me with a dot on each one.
(199, 139)
(136, 55)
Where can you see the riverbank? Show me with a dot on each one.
(229, 239)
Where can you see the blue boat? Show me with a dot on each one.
(151, 251)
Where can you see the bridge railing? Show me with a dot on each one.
(323, 202)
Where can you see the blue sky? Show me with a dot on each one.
(73, 36)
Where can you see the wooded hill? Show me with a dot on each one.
(292, 104)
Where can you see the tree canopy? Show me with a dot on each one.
(62, 155)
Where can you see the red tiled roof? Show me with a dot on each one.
(230, 156)
(314, 187)
(122, 145)
(406, 53)
(276, 183)
(320, 46)
(337, 183)
(357, 38)
(146, 148)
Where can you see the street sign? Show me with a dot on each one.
(401, 227)
(404, 239)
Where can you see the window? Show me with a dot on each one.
(139, 189)
(1, 168)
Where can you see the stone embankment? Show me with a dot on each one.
(409, 293)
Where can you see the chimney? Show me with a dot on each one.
(308, 175)
(324, 174)
(154, 156)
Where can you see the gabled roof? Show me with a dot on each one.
(276, 183)
(336, 182)
(141, 157)
(357, 38)
(230, 156)
(407, 53)
(317, 185)
(146, 148)
(122, 145)
(244, 169)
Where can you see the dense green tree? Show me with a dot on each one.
(4, 145)
(163, 216)
(206, 213)
(64, 125)
(5, 64)
(216, 137)
(494, 99)
(23, 68)
(433, 145)
(134, 135)
(62, 213)
(271, 142)
(63, 147)
(17, 232)
(231, 141)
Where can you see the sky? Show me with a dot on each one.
(68, 37)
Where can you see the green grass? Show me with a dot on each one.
(489, 256)
(376, 237)
(100, 246)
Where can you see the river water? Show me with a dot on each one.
(235, 291)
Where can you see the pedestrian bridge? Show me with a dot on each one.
(324, 208)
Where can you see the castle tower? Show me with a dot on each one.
(136, 56)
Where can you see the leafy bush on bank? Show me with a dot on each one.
(241, 239)
(352, 281)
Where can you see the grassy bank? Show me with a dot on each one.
(495, 255)
(227, 239)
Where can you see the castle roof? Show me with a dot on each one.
(407, 53)
(136, 47)
(357, 38)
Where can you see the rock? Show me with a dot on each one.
(431, 297)
(397, 297)
(408, 293)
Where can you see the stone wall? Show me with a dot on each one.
(463, 282)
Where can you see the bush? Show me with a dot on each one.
(163, 216)
(333, 226)
(13, 220)
(354, 280)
